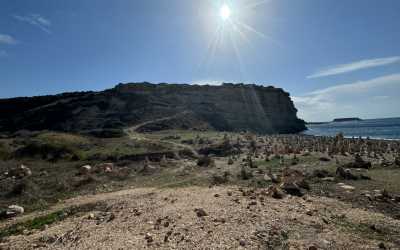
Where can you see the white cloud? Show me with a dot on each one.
(7, 39)
(378, 97)
(363, 64)
(36, 20)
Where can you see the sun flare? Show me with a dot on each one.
(225, 12)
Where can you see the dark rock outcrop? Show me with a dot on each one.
(230, 107)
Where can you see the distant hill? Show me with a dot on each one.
(230, 107)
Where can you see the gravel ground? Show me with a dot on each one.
(212, 218)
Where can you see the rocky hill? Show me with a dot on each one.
(230, 107)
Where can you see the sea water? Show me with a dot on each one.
(388, 128)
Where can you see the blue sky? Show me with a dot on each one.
(335, 57)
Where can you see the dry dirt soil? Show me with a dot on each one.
(210, 218)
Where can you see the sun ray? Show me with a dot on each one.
(251, 29)
(231, 30)
(211, 45)
(240, 32)
(258, 33)
(256, 4)
(238, 56)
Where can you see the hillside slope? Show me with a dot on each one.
(226, 108)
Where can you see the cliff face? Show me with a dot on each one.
(228, 107)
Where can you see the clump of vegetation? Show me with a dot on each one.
(364, 229)
(85, 180)
(46, 151)
(220, 179)
(4, 154)
(41, 221)
(107, 133)
(51, 146)
(245, 174)
(205, 161)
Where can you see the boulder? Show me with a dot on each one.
(276, 193)
(86, 169)
(292, 188)
(358, 163)
(345, 173)
(364, 177)
(20, 172)
(104, 167)
(267, 178)
(25, 171)
(223, 149)
(12, 211)
(324, 159)
(321, 173)
(397, 161)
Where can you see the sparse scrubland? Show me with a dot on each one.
(195, 189)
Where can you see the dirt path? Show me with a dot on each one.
(134, 128)
(133, 134)
(233, 219)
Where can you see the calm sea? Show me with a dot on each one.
(388, 128)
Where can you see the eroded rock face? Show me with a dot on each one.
(230, 107)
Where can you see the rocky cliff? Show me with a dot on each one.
(230, 107)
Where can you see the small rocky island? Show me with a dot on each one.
(350, 119)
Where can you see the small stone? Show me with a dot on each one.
(381, 245)
(49, 239)
(111, 217)
(220, 220)
(253, 203)
(312, 248)
(242, 243)
(309, 213)
(329, 179)
(277, 193)
(236, 201)
(267, 178)
(200, 212)
(346, 187)
(216, 195)
(148, 238)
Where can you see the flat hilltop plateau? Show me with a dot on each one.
(229, 107)
(181, 189)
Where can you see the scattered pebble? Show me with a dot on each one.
(200, 212)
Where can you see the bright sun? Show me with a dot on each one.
(225, 12)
